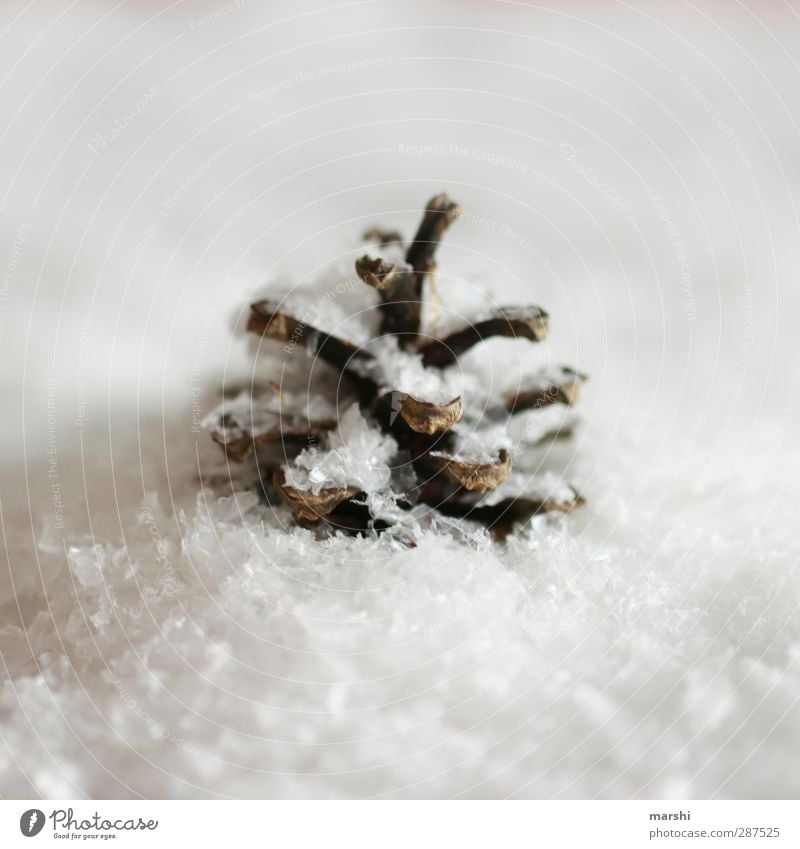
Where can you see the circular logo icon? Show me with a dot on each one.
(31, 822)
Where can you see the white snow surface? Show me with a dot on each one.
(166, 634)
(547, 486)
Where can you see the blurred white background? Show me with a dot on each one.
(633, 167)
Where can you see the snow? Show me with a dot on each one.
(482, 445)
(546, 487)
(166, 634)
(356, 454)
(394, 369)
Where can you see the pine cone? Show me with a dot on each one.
(404, 450)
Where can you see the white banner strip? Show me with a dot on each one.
(405, 824)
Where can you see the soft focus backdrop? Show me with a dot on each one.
(634, 168)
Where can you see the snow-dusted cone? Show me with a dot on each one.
(406, 444)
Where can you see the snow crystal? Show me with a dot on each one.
(394, 368)
(334, 301)
(480, 444)
(648, 646)
(545, 486)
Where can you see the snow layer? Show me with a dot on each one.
(162, 637)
